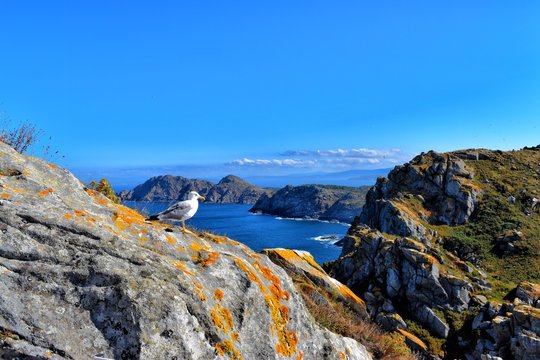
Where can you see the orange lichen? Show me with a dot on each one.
(5, 196)
(218, 295)
(183, 267)
(209, 259)
(222, 318)
(170, 240)
(195, 246)
(97, 198)
(45, 192)
(215, 238)
(125, 217)
(235, 336)
(251, 275)
(67, 216)
(342, 355)
(53, 166)
(79, 213)
(199, 289)
(227, 347)
(91, 192)
(287, 340)
(48, 354)
(300, 356)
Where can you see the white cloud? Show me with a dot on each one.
(272, 162)
(345, 153)
(328, 159)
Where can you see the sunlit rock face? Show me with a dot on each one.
(82, 277)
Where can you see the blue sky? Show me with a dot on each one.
(212, 87)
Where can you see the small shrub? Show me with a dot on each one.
(105, 188)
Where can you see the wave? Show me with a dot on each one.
(308, 219)
(331, 239)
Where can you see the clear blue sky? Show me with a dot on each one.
(122, 84)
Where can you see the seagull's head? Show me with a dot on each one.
(195, 195)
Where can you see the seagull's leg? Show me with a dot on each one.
(183, 226)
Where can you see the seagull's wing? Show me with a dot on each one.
(179, 206)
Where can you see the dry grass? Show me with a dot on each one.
(344, 321)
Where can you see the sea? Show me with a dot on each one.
(260, 231)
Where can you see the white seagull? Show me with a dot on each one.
(181, 211)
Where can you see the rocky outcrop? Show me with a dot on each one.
(398, 275)
(334, 304)
(313, 202)
(510, 330)
(230, 189)
(83, 277)
(442, 186)
(301, 263)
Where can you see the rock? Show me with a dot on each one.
(432, 321)
(528, 292)
(412, 341)
(478, 320)
(501, 325)
(526, 346)
(390, 321)
(479, 299)
(82, 276)
(441, 180)
(322, 202)
(230, 189)
(301, 263)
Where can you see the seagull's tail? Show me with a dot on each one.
(152, 218)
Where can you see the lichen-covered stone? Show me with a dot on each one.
(81, 276)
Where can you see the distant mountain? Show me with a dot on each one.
(230, 189)
(324, 202)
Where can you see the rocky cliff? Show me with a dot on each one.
(230, 189)
(83, 277)
(322, 202)
(440, 243)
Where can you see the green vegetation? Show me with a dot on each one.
(506, 174)
(434, 344)
(104, 188)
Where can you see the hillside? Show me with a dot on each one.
(324, 202)
(447, 246)
(84, 277)
(230, 189)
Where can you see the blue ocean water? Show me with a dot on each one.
(261, 231)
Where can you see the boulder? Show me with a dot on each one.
(83, 277)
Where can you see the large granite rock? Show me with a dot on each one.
(313, 202)
(441, 183)
(299, 263)
(398, 272)
(230, 189)
(510, 330)
(82, 277)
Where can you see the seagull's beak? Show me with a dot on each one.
(202, 198)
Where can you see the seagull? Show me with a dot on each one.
(181, 211)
